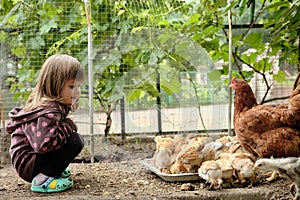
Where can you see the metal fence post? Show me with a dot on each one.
(158, 103)
(123, 128)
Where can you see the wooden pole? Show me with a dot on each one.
(90, 79)
(229, 67)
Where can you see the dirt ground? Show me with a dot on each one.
(120, 175)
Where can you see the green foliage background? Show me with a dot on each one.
(150, 36)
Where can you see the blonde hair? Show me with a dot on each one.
(54, 73)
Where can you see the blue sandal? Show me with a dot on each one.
(66, 173)
(53, 185)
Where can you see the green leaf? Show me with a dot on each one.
(159, 53)
(242, 7)
(250, 57)
(137, 29)
(276, 4)
(163, 38)
(153, 59)
(151, 89)
(19, 51)
(47, 27)
(120, 12)
(214, 75)
(255, 40)
(133, 94)
(280, 76)
(164, 23)
(193, 19)
(170, 87)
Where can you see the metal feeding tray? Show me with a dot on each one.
(184, 177)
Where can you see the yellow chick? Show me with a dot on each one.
(178, 168)
(212, 150)
(163, 158)
(227, 169)
(190, 157)
(226, 139)
(236, 147)
(243, 170)
(211, 172)
(180, 143)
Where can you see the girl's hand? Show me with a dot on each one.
(75, 105)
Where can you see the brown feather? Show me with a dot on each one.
(266, 130)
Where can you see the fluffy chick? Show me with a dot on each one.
(227, 169)
(177, 168)
(287, 167)
(190, 156)
(226, 139)
(243, 169)
(180, 142)
(163, 158)
(236, 147)
(211, 172)
(212, 150)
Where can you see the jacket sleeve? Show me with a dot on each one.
(49, 132)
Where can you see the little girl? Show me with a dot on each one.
(43, 140)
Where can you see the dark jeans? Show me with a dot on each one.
(55, 162)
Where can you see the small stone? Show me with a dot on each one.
(196, 192)
(106, 193)
(187, 187)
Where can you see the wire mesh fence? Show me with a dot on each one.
(148, 76)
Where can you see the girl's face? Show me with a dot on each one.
(70, 92)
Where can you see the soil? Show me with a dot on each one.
(117, 173)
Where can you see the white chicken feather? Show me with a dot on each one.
(287, 167)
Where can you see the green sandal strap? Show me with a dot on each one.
(66, 173)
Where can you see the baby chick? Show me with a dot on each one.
(227, 169)
(243, 169)
(178, 167)
(163, 158)
(236, 147)
(212, 150)
(190, 156)
(180, 143)
(211, 172)
(226, 139)
(287, 167)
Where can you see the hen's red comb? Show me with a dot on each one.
(233, 80)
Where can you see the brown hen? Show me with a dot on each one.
(266, 130)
